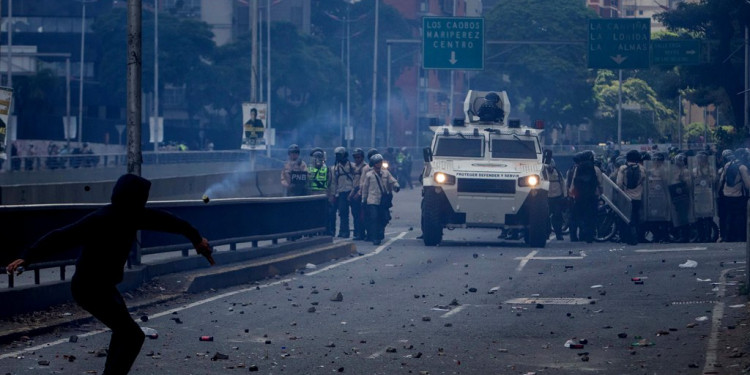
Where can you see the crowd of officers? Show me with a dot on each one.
(673, 195)
(363, 188)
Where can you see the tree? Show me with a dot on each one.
(722, 22)
(548, 81)
(651, 119)
(183, 62)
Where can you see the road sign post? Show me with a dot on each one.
(453, 43)
(621, 43)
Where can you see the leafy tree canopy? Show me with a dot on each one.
(549, 81)
(721, 23)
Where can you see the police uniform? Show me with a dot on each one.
(343, 184)
(374, 185)
(294, 177)
(355, 200)
(556, 197)
(319, 182)
(735, 200)
(636, 197)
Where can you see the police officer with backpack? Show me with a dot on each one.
(556, 196)
(587, 182)
(734, 184)
(630, 179)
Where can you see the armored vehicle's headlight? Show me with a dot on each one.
(443, 178)
(529, 181)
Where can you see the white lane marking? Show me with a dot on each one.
(550, 301)
(525, 260)
(716, 316)
(671, 249)
(376, 252)
(207, 300)
(453, 311)
(532, 256)
(49, 344)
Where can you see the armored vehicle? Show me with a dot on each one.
(485, 172)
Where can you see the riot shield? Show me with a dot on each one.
(656, 204)
(680, 186)
(703, 169)
(616, 199)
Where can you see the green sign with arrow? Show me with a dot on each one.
(676, 52)
(453, 43)
(621, 43)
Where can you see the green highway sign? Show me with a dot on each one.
(619, 43)
(676, 52)
(453, 43)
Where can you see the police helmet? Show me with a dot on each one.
(492, 97)
(620, 161)
(341, 153)
(376, 159)
(316, 149)
(727, 155)
(633, 156)
(741, 154)
(659, 156)
(372, 152)
(317, 154)
(293, 148)
(588, 155)
(358, 152)
(680, 160)
(645, 155)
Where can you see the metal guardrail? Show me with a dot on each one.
(223, 221)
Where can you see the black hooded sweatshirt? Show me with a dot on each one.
(107, 234)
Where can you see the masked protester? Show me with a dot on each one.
(377, 194)
(106, 236)
(294, 174)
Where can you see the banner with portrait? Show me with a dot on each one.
(6, 100)
(254, 126)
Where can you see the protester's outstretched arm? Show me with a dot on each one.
(163, 221)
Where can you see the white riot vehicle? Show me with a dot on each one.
(485, 173)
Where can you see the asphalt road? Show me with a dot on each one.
(474, 305)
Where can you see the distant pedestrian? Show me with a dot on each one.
(106, 236)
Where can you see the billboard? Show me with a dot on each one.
(6, 98)
(254, 126)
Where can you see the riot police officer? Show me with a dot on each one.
(735, 182)
(343, 184)
(319, 177)
(377, 189)
(556, 196)
(294, 174)
(630, 179)
(355, 198)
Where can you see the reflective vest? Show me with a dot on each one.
(319, 178)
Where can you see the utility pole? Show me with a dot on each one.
(375, 77)
(135, 65)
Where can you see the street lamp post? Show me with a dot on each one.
(81, 71)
